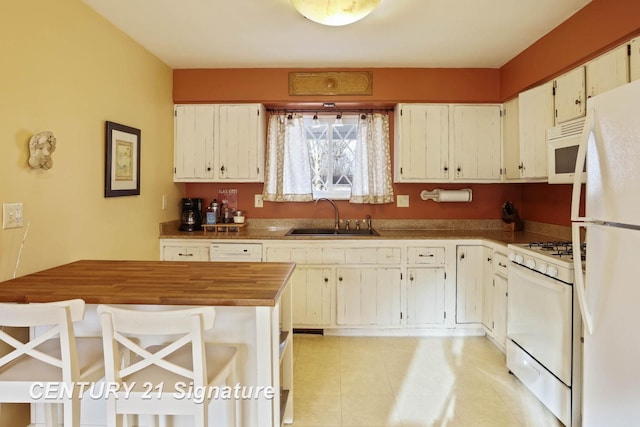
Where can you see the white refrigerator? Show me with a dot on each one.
(609, 289)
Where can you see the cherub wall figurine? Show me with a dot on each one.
(41, 145)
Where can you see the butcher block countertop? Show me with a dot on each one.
(154, 282)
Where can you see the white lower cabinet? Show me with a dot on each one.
(494, 298)
(398, 286)
(312, 296)
(425, 296)
(500, 310)
(368, 296)
(487, 287)
(469, 283)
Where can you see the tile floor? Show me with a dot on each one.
(408, 382)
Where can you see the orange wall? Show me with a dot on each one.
(390, 85)
(597, 27)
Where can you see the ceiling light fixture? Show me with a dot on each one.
(315, 122)
(335, 12)
(338, 121)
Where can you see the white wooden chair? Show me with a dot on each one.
(53, 358)
(157, 375)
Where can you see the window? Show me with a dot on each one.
(332, 148)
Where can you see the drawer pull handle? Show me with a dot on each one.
(185, 254)
(428, 256)
(502, 265)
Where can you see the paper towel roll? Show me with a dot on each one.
(440, 195)
(454, 196)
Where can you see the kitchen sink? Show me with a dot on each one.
(330, 232)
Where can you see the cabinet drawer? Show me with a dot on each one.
(298, 255)
(373, 256)
(185, 253)
(500, 264)
(425, 255)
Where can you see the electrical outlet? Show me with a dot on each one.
(12, 215)
(402, 201)
(258, 201)
(164, 202)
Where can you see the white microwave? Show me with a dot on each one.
(562, 142)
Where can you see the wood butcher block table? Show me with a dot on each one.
(154, 282)
(253, 311)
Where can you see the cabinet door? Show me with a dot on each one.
(194, 127)
(477, 140)
(487, 287)
(608, 71)
(634, 59)
(500, 296)
(240, 142)
(570, 100)
(469, 284)
(311, 296)
(368, 296)
(536, 116)
(425, 296)
(510, 140)
(421, 143)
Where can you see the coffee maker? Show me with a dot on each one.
(191, 219)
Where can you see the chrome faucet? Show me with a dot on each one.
(336, 226)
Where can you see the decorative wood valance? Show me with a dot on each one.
(331, 83)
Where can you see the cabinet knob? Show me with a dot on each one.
(222, 168)
(326, 279)
(446, 168)
(462, 256)
(520, 166)
(578, 101)
(340, 279)
(209, 169)
(411, 278)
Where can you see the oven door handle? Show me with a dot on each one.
(587, 316)
(531, 276)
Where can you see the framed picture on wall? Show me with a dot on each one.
(122, 166)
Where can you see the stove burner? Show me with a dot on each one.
(559, 248)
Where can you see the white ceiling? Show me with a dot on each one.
(399, 33)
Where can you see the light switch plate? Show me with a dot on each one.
(402, 201)
(12, 215)
(258, 201)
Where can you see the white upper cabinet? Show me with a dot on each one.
(421, 143)
(194, 128)
(477, 142)
(634, 59)
(215, 143)
(241, 142)
(569, 95)
(510, 140)
(608, 71)
(536, 115)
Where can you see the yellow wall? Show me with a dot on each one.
(65, 69)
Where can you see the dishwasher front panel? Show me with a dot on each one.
(235, 252)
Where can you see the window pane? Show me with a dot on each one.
(332, 150)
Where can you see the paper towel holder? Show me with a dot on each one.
(440, 195)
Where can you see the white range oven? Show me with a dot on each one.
(544, 327)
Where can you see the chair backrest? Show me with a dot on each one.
(60, 316)
(122, 329)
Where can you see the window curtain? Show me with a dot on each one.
(288, 171)
(372, 166)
